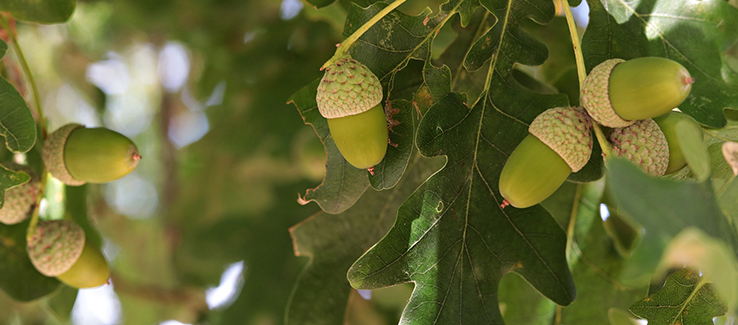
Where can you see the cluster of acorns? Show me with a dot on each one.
(75, 155)
(635, 98)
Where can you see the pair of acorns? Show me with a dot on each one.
(623, 95)
(75, 155)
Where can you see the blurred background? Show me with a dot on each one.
(198, 233)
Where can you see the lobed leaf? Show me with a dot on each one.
(451, 237)
(321, 293)
(686, 298)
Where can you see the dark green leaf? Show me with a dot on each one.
(681, 204)
(40, 11)
(402, 124)
(61, 303)
(596, 265)
(333, 242)
(16, 122)
(691, 33)
(343, 184)
(451, 238)
(3, 48)
(18, 277)
(686, 298)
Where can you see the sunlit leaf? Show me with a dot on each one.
(333, 242)
(451, 237)
(663, 208)
(686, 298)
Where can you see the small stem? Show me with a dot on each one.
(572, 221)
(722, 189)
(582, 71)
(29, 75)
(36, 208)
(346, 44)
(602, 140)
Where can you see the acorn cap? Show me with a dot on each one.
(53, 154)
(644, 144)
(595, 95)
(20, 199)
(566, 130)
(55, 246)
(348, 88)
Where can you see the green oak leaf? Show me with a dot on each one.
(691, 33)
(40, 11)
(18, 277)
(343, 184)
(521, 304)
(681, 204)
(686, 298)
(387, 49)
(16, 122)
(333, 242)
(451, 238)
(595, 264)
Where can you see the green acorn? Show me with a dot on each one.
(559, 142)
(616, 92)
(76, 155)
(644, 144)
(58, 248)
(20, 200)
(350, 96)
(668, 125)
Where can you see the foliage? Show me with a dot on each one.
(425, 234)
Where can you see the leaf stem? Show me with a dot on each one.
(346, 44)
(41, 120)
(29, 75)
(36, 208)
(582, 72)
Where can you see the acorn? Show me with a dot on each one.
(559, 143)
(616, 93)
(58, 249)
(668, 125)
(350, 96)
(642, 143)
(20, 200)
(77, 155)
